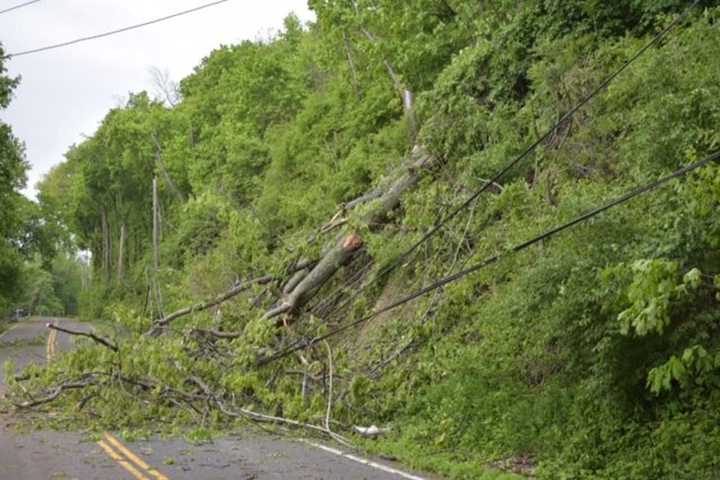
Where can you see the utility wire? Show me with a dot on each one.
(18, 6)
(655, 185)
(528, 151)
(113, 32)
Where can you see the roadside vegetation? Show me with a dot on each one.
(291, 173)
(39, 270)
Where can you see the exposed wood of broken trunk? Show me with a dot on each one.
(351, 242)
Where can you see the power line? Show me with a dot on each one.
(636, 192)
(18, 6)
(527, 152)
(113, 32)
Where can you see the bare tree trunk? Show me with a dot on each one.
(348, 52)
(121, 254)
(103, 233)
(404, 92)
(156, 248)
(163, 170)
(106, 253)
(156, 227)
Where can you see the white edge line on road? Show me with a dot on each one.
(364, 461)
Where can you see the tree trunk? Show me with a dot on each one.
(121, 254)
(106, 242)
(156, 249)
(163, 170)
(156, 228)
(348, 52)
(342, 252)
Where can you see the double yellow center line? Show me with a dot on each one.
(51, 344)
(122, 455)
(113, 447)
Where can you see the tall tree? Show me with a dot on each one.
(12, 178)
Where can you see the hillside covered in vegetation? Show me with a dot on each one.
(245, 226)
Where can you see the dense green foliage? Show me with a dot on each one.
(12, 178)
(38, 271)
(592, 355)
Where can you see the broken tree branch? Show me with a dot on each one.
(348, 53)
(330, 387)
(236, 290)
(97, 338)
(216, 333)
(163, 170)
(56, 392)
(405, 93)
(333, 435)
(199, 307)
(259, 417)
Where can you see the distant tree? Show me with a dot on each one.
(12, 178)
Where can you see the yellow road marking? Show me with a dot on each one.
(127, 464)
(121, 461)
(47, 347)
(51, 341)
(132, 457)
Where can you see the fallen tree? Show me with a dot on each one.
(351, 242)
(306, 277)
(203, 397)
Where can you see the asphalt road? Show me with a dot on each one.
(248, 456)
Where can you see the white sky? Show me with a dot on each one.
(65, 93)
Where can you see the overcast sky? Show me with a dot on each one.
(65, 93)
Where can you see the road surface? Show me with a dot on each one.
(248, 456)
